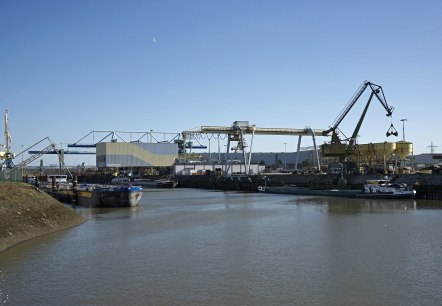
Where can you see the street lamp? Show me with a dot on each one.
(403, 128)
(22, 166)
(285, 155)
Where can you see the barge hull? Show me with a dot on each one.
(99, 198)
(335, 193)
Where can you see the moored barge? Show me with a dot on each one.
(109, 196)
(373, 189)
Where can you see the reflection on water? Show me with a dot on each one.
(429, 204)
(354, 206)
(3, 295)
(187, 246)
(104, 213)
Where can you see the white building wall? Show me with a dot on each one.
(189, 169)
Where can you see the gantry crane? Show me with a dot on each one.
(236, 133)
(342, 148)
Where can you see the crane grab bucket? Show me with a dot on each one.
(392, 131)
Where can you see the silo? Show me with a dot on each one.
(368, 149)
(385, 149)
(363, 149)
(403, 149)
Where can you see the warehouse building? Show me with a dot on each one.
(124, 155)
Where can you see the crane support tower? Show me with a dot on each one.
(342, 148)
(7, 155)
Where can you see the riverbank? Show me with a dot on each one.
(26, 212)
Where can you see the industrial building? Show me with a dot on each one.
(124, 155)
(208, 168)
(427, 160)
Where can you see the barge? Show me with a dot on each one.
(146, 183)
(373, 189)
(109, 196)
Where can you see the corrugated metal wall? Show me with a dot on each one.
(114, 154)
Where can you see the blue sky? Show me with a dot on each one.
(70, 67)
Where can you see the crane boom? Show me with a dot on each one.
(376, 91)
(336, 147)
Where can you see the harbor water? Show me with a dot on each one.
(200, 247)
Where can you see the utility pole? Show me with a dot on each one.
(22, 166)
(432, 147)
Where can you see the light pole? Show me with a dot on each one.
(285, 155)
(22, 166)
(403, 129)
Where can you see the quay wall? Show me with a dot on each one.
(428, 186)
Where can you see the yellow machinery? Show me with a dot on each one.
(372, 153)
(403, 149)
(384, 150)
(343, 148)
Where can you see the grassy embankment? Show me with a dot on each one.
(26, 212)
